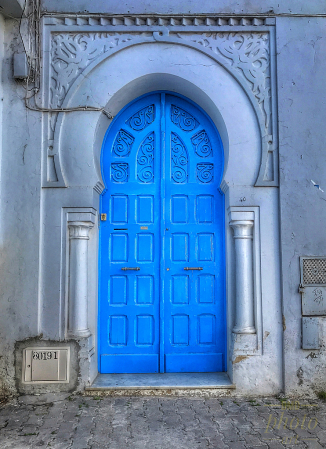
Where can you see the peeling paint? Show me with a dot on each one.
(266, 334)
(283, 322)
(239, 358)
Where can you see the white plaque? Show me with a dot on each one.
(46, 365)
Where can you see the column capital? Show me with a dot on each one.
(79, 229)
(241, 215)
(242, 229)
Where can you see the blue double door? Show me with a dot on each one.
(162, 306)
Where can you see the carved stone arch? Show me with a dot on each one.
(251, 80)
(109, 79)
(233, 113)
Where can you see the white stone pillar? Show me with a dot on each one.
(243, 242)
(78, 274)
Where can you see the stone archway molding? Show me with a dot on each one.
(246, 52)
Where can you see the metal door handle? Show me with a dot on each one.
(130, 268)
(193, 268)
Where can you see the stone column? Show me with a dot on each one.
(78, 274)
(243, 242)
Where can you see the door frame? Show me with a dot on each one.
(161, 271)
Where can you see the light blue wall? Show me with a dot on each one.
(188, 6)
(301, 68)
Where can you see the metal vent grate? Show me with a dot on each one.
(314, 271)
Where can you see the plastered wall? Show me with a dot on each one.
(188, 6)
(301, 46)
(299, 207)
(20, 216)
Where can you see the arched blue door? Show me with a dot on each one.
(162, 263)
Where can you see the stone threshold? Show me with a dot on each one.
(160, 384)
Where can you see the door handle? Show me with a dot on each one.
(130, 268)
(193, 268)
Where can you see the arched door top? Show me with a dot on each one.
(201, 134)
(162, 295)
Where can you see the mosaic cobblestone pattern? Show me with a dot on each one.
(158, 423)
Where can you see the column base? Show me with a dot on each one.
(244, 330)
(83, 333)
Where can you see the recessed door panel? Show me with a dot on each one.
(145, 209)
(144, 329)
(204, 209)
(180, 247)
(180, 289)
(179, 209)
(206, 288)
(180, 330)
(145, 290)
(145, 248)
(162, 305)
(206, 329)
(119, 247)
(118, 330)
(118, 290)
(205, 247)
(119, 209)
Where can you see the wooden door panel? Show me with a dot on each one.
(129, 307)
(194, 300)
(162, 162)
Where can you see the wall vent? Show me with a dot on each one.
(313, 270)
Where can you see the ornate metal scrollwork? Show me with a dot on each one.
(119, 172)
(142, 118)
(183, 119)
(202, 144)
(123, 143)
(179, 158)
(145, 159)
(205, 172)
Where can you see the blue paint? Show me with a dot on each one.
(162, 162)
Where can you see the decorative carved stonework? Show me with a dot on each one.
(241, 45)
(72, 53)
(150, 20)
(248, 53)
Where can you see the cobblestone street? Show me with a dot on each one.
(80, 422)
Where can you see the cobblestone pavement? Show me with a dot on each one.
(79, 422)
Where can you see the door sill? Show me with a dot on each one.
(167, 383)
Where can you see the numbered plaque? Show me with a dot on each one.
(46, 365)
